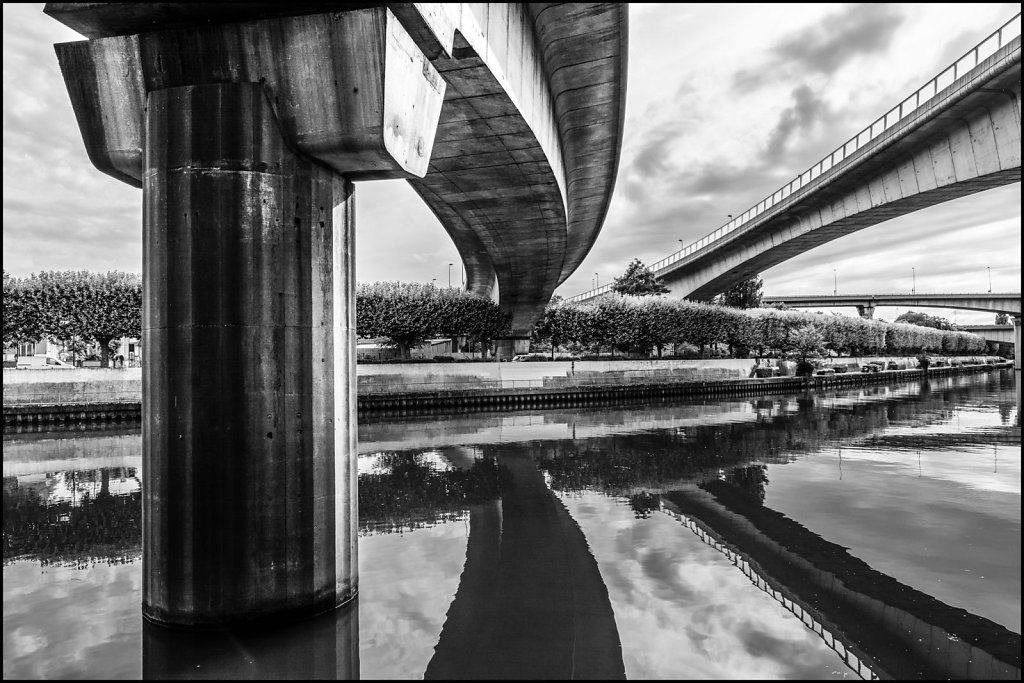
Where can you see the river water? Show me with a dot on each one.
(847, 534)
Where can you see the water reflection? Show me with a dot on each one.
(775, 537)
(325, 647)
(531, 602)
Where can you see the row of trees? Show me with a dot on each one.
(79, 308)
(76, 308)
(73, 308)
(407, 313)
(637, 326)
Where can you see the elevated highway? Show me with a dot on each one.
(958, 134)
(246, 126)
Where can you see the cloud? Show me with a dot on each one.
(825, 47)
(807, 110)
(652, 157)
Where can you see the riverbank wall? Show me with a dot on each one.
(42, 396)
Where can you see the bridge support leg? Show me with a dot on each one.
(1016, 362)
(510, 347)
(249, 424)
(866, 311)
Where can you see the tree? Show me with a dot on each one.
(807, 341)
(925, 320)
(1002, 319)
(22, 320)
(73, 306)
(746, 294)
(408, 313)
(638, 280)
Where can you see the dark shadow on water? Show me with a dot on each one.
(531, 602)
(898, 631)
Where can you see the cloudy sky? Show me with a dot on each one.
(725, 104)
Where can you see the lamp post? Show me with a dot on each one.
(835, 283)
(597, 281)
(680, 245)
(989, 268)
(450, 275)
(913, 285)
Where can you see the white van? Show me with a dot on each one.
(42, 362)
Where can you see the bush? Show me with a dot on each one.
(444, 359)
(924, 361)
(804, 368)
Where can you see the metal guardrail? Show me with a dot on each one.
(1006, 33)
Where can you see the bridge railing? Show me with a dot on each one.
(1005, 34)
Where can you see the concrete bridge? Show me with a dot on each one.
(957, 135)
(246, 125)
(866, 303)
(1002, 334)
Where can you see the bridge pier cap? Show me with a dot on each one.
(245, 126)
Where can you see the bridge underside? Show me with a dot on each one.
(969, 142)
(245, 125)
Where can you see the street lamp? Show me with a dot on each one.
(835, 283)
(450, 275)
(913, 285)
(597, 281)
(680, 245)
(989, 278)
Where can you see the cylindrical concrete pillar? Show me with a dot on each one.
(1016, 343)
(249, 422)
(506, 348)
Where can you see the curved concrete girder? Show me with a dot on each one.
(480, 277)
(528, 143)
(588, 81)
(967, 141)
(491, 184)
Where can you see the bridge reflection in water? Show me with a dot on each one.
(531, 600)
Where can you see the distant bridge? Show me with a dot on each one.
(957, 135)
(1000, 334)
(1008, 303)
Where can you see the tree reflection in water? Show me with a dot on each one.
(77, 531)
(410, 492)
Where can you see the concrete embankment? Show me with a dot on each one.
(32, 396)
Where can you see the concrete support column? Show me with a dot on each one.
(1016, 363)
(866, 311)
(506, 348)
(249, 411)
(1016, 343)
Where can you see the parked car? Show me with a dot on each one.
(42, 362)
(873, 366)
